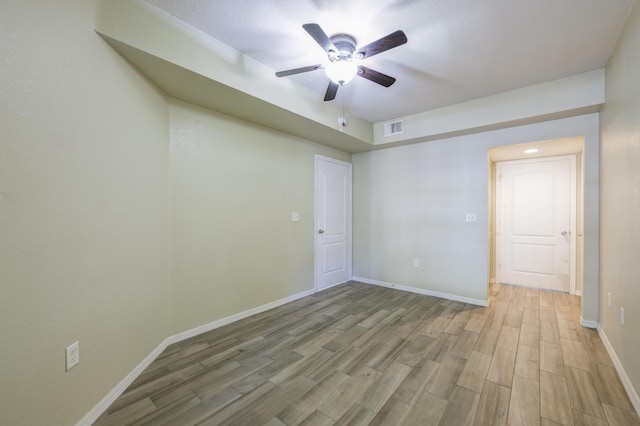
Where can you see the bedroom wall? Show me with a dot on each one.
(411, 201)
(233, 188)
(620, 208)
(88, 195)
(83, 213)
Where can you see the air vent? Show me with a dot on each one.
(393, 128)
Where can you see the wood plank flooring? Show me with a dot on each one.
(361, 354)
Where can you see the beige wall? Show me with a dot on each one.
(96, 166)
(83, 213)
(620, 208)
(233, 188)
(410, 202)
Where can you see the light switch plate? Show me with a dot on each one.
(72, 355)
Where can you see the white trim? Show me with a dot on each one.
(102, 406)
(426, 292)
(236, 317)
(110, 397)
(626, 382)
(333, 160)
(332, 285)
(588, 323)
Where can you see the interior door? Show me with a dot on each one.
(535, 223)
(333, 222)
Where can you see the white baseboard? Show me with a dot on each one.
(331, 286)
(626, 382)
(588, 323)
(228, 320)
(102, 406)
(448, 296)
(109, 398)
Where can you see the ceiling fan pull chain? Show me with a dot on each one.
(342, 121)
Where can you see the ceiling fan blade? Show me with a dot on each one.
(387, 42)
(320, 37)
(331, 91)
(298, 70)
(375, 76)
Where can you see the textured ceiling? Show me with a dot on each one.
(458, 50)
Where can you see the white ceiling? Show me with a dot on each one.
(458, 50)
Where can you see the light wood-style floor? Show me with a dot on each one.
(361, 354)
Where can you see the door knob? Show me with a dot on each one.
(565, 233)
(320, 231)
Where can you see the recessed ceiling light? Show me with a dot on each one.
(530, 150)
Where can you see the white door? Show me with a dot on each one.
(333, 222)
(535, 223)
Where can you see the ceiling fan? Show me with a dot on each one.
(343, 55)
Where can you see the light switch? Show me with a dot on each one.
(295, 216)
(471, 217)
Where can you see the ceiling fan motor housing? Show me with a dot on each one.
(345, 44)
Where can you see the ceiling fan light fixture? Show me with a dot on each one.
(341, 71)
(341, 52)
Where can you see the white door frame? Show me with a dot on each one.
(349, 236)
(572, 214)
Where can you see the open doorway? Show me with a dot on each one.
(538, 263)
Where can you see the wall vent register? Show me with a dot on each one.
(393, 128)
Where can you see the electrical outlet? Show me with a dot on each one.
(72, 355)
(470, 217)
(609, 299)
(416, 263)
(295, 216)
(621, 315)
